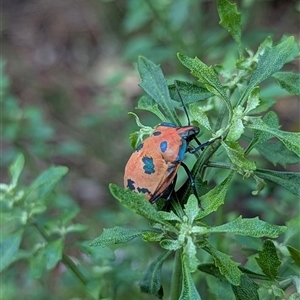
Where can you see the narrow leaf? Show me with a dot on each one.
(230, 19)
(251, 227)
(290, 139)
(247, 290)
(147, 103)
(188, 289)
(271, 119)
(197, 113)
(151, 282)
(38, 263)
(226, 265)
(169, 216)
(46, 181)
(190, 254)
(289, 81)
(53, 253)
(151, 236)
(253, 100)
(169, 244)
(293, 229)
(215, 197)
(16, 169)
(116, 235)
(207, 76)
(289, 180)
(155, 85)
(276, 153)
(191, 208)
(189, 92)
(9, 248)
(268, 260)
(236, 154)
(136, 202)
(295, 255)
(269, 62)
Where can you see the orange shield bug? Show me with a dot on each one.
(153, 166)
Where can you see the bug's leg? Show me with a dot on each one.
(169, 193)
(172, 188)
(192, 181)
(201, 146)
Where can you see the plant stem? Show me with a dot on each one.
(69, 263)
(176, 276)
(65, 259)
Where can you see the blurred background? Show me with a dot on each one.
(69, 79)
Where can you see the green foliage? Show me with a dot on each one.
(213, 251)
(240, 126)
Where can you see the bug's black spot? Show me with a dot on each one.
(148, 165)
(143, 190)
(130, 184)
(163, 146)
(156, 133)
(139, 147)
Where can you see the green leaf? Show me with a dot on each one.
(268, 260)
(116, 235)
(169, 244)
(47, 180)
(76, 228)
(16, 169)
(137, 203)
(155, 85)
(295, 255)
(293, 229)
(151, 236)
(277, 153)
(289, 180)
(253, 100)
(226, 265)
(188, 289)
(191, 208)
(9, 248)
(247, 290)
(290, 139)
(251, 227)
(211, 269)
(38, 263)
(151, 282)
(169, 216)
(215, 197)
(207, 76)
(68, 215)
(54, 252)
(270, 61)
(230, 19)
(137, 137)
(289, 81)
(189, 254)
(147, 103)
(189, 92)
(294, 296)
(259, 136)
(236, 154)
(236, 125)
(197, 113)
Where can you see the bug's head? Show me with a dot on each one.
(188, 132)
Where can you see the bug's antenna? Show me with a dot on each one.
(183, 105)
